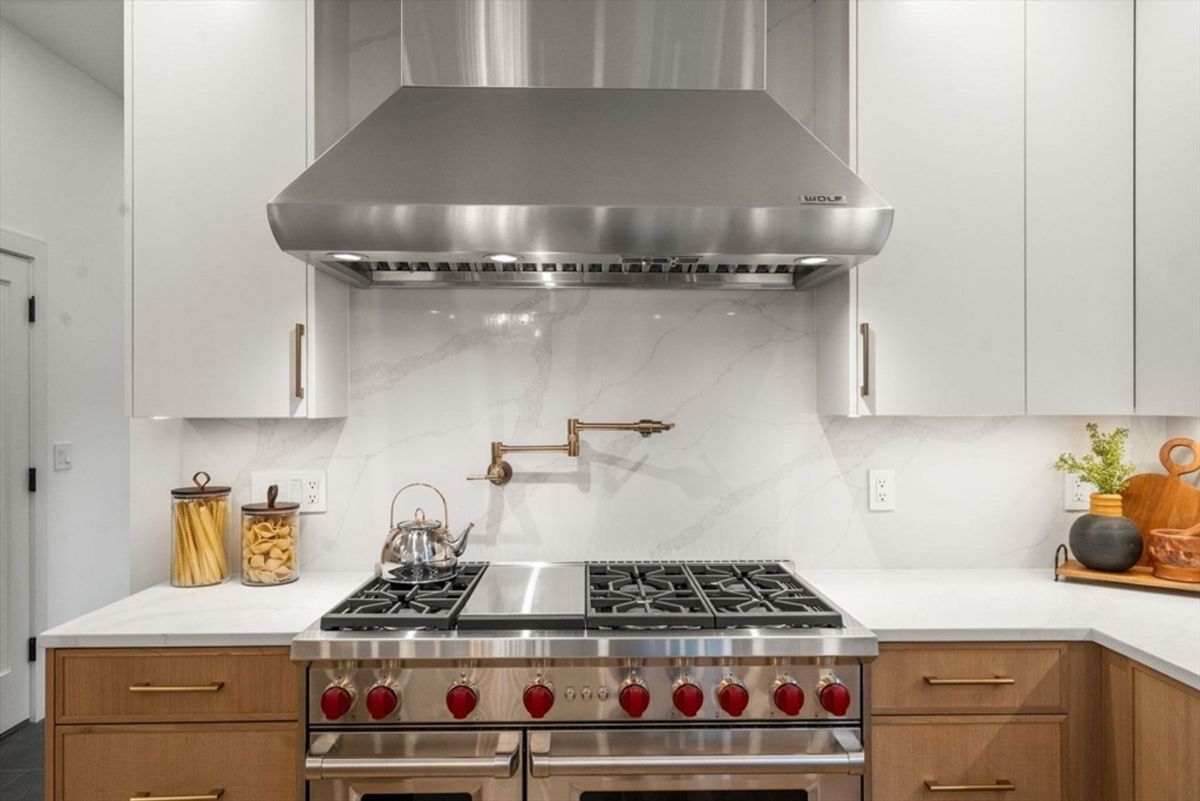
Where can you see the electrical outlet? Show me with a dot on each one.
(305, 487)
(881, 488)
(1076, 493)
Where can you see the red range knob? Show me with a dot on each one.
(634, 699)
(538, 700)
(381, 702)
(835, 698)
(789, 698)
(688, 699)
(336, 701)
(461, 701)
(733, 698)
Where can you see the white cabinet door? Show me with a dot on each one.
(218, 123)
(1168, 207)
(1079, 206)
(941, 137)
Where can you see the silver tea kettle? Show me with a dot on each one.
(421, 551)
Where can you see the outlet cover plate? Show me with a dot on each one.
(305, 487)
(881, 490)
(1076, 493)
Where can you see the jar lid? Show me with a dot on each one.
(201, 490)
(271, 506)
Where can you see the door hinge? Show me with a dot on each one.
(33, 479)
(32, 308)
(32, 649)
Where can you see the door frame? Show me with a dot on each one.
(35, 251)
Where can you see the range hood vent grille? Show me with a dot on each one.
(688, 272)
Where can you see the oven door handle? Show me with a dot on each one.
(500, 765)
(849, 759)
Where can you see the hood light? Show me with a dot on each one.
(347, 256)
(810, 261)
(503, 258)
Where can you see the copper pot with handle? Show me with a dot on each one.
(420, 550)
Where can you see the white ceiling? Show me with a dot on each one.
(85, 33)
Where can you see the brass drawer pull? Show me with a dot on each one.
(177, 688)
(1001, 785)
(936, 682)
(213, 795)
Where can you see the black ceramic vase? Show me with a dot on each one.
(1105, 540)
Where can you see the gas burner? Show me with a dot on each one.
(381, 604)
(636, 596)
(745, 595)
(644, 596)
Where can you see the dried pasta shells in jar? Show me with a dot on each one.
(270, 532)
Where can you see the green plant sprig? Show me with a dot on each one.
(1105, 467)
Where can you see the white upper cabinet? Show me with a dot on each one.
(217, 122)
(940, 134)
(1079, 206)
(1168, 207)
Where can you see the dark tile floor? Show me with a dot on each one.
(22, 756)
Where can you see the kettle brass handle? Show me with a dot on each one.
(445, 507)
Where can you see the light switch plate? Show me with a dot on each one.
(881, 490)
(64, 455)
(305, 487)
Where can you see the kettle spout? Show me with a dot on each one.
(459, 545)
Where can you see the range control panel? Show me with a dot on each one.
(380, 693)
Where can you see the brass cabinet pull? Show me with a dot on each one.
(935, 681)
(177, 688)
(212, 795)
(1001, 785)
(300, 361)
(865, 330)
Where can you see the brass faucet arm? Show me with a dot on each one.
(499, 472)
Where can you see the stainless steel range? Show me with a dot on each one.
(670, 681)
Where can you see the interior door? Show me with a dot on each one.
(14, 494)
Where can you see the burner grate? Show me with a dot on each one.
(705, 595)
(380, 604)
(635, 595)
(746, 595)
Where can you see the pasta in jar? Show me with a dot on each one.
(269, 534)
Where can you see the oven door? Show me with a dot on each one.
(414, 766)
(733, 764)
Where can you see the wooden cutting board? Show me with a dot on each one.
(1157, 501)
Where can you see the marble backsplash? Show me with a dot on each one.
(749, 471)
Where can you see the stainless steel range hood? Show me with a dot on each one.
(519, 186)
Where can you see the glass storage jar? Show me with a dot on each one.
(269, 539)
(199, 518)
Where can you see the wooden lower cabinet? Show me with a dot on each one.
(1123, 732)
(960, 756)
(1166, 739)
(177, 723)
(235, 762)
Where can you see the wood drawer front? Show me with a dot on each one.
(248, 762)
(915, 680)
(1026, 751)
(176, 684)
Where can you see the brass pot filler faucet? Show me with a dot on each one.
(500, 472)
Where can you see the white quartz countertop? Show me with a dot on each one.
(224, 614)
(1158, 629)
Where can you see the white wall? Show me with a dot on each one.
(61, 182)
(749, 471)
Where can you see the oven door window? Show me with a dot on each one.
(416, 797)
(697, 795)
